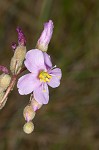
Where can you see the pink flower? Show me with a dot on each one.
(41, 75)
(45, 37)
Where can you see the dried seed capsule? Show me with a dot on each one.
(4, 102)
(17, 59)
(28, 113)
(15, 65)
(28, 127)
(1, 90)
(20, 52)
(4, 81)
(1, 95)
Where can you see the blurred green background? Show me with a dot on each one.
(71, 119)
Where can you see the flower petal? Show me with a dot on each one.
(54, 82)
(56, 76)
(41, 94)
(34, 60)
(47, 60)
(56, 72)
(27, 83)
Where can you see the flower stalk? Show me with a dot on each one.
(10, 87)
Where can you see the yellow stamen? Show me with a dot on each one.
(58, 77)
(44, 90)
(44, 76)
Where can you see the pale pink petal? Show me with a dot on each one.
(34, 60)
(47, 60)
(56, 76)
(54, 82)
(27, 83)
(56, 72)
(41, 94)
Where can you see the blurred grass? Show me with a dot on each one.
(71, 119)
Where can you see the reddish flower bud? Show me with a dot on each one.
(21, 37)
(4, 69)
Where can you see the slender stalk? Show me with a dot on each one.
(10, 87)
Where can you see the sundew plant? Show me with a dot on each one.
(42, 74)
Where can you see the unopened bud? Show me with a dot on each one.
(17, 59)
(21, 37)
(4, 69)
(4, 81)
(35, 104)
(28, 127)
(45, 37)
(28, 113)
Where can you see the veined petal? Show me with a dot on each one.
(27, 83)
(54, 82)
(47, 60)
(41, 94)
(56, 72)
(56, 76)
(34, 60)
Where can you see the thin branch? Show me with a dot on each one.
(10, 87)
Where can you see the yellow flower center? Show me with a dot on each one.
(44, 76)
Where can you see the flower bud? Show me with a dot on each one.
(4, 69)
(45, 37)
(28, 127)
(4, 81)
(17, 59)
(35, 104)
(21, 37)
(28, 113)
